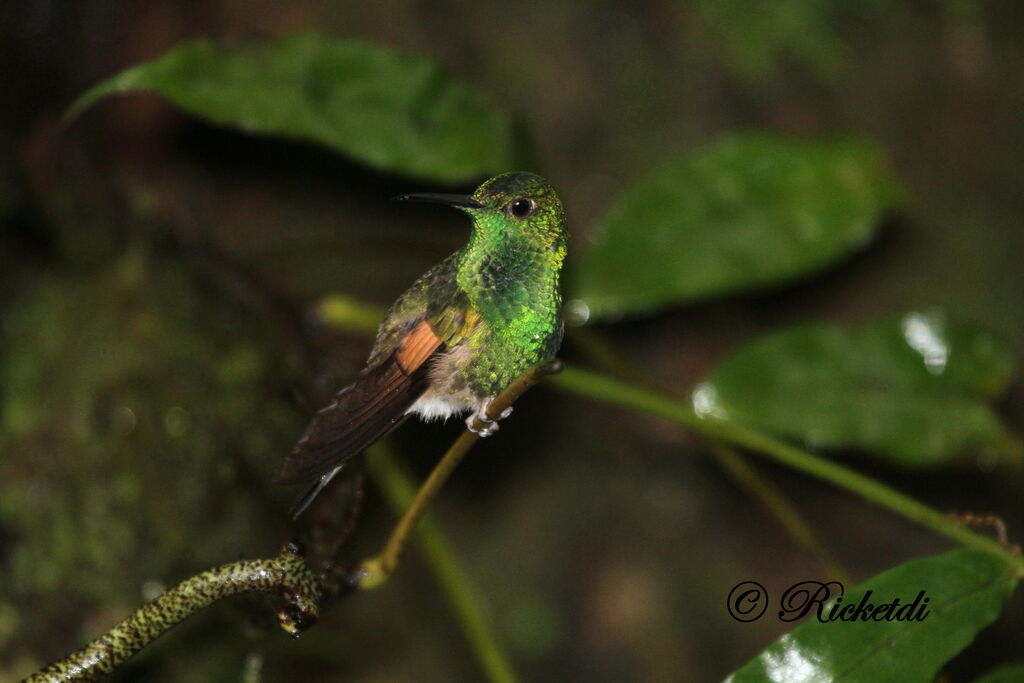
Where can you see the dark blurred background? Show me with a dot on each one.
(154, 369)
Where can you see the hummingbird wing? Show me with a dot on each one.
(366, 410)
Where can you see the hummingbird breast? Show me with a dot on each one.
(516, 295)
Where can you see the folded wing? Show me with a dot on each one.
(364, 411)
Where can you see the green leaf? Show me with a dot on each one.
(966, 590)
(393, 112)
(1008, 673)
(913, 389)
(745, 212)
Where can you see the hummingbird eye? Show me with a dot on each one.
(521, 208)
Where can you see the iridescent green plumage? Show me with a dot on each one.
(461, 333)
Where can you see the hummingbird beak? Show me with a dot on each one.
(461, 200)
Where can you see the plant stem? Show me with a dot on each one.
(776, 503)
(396, 485)
(376, 570)
(613, 391)
(605, 356)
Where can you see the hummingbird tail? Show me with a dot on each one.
(308, 495)
(362, 412)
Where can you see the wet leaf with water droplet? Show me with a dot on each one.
(390, 111)
(748, 211)
(965, 589)
(913, 390)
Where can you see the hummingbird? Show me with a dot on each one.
(461, 334)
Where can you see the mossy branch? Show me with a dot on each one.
(303, 590)
(286, 575)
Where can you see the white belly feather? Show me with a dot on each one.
(432, 407)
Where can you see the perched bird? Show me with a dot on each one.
(460, 334)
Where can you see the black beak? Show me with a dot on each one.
(462, 200)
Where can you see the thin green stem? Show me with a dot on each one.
(376, 570)
(776, 503)
(396, 485)
(344, 313)
(612, 391)
(609, 390)
(604, 355)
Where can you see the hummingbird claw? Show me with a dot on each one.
(486, 426)
(479, 423)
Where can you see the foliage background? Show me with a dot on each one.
(148, 386)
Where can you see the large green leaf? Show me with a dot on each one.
(966, 590)
(747, 211)
(390, 111)
(913, 389)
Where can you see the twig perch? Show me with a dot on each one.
(376, 570)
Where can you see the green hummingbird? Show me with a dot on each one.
(458, 336)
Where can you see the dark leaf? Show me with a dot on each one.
(390, 111)
(745, 212)
(966, 590)
(915, 389)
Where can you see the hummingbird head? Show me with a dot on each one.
(512, 207)
(511, 267)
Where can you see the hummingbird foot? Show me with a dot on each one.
(479, 423)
